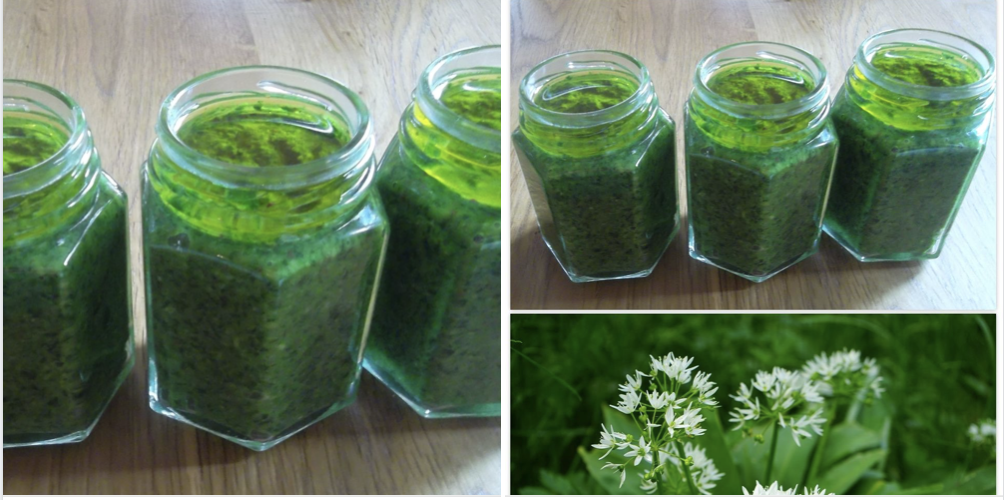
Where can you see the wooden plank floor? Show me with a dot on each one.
(670, 37)
(119, 59)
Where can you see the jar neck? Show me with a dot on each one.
(452, 129)
(592, 131)
(262, 203)
(785, 99)
(56, 192)
(918, 107)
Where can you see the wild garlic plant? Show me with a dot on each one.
(666, 405)
(790, 400)
(844, 375)
(776, 490)
(984, 435)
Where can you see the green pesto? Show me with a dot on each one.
(255, 335)
(757, 187)
(67, 333)
(263, 133)
(760, 83)
(28, 140)
(436, 329)
(585, 91)
(926, 66)
(607, 204)
(899, 180)
(477, 97)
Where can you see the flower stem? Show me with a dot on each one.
(773, 450)
(816, 460)
(686, 469)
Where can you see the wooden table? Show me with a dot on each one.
(119, 59)
(670, 37)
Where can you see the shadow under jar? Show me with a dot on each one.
(67, 332)
(760, 150)
(263, 242)
(913, 116)
(598, 156)
(437, 332)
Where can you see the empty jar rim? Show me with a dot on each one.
(256, 81)
(929, 38)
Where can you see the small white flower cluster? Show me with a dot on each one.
(784, 391)
(845, 373)
(776, 490)
(668, 410)
(984, 432)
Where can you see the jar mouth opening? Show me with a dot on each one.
(328, 95)
(934, 39)
(438, 73)
(22, 96)
(777, 53)
(583, 61)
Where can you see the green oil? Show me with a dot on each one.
(760, 83)
(470, 171)
(927, 66)
(30, 139)
(585, 91)
(263, 133)
(477, 97)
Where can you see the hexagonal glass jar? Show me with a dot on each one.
(437, 333)
(914, 118)
(67, 331)
(599, 159)
(760, 149)
(263, 242)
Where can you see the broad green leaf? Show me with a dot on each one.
(846, 439)
(790, 460)
(842, 476)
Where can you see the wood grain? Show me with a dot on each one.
(119, 59)
(670, 37)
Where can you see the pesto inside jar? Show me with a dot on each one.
(258, 297)
(437, 330)
(908, 154)
(67, 332)
(759, 162)
(604, 190)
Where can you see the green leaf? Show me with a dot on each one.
(790, 461)
(842, 476)
(979, 482)
(846, 439)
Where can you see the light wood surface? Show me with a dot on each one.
(670, 37)
(119, 59)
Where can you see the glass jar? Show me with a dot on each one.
(913, 116)
(67, 332)
(263, 243)
(599, 158)
(437, 333)
(760, 150)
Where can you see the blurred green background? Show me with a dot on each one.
(939, 373)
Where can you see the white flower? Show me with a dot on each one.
(611, 440)
(628, 403)
(845, 373)
(985, 431)
(799, 426)
(616, 468)
(647, 485)
(785, 391)
(675, 368)
(632, 384)
(776, 490)
(688, 421)
(639, 451)
(705, 388)
(658, 400)
(750, 413)
(703, 471)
